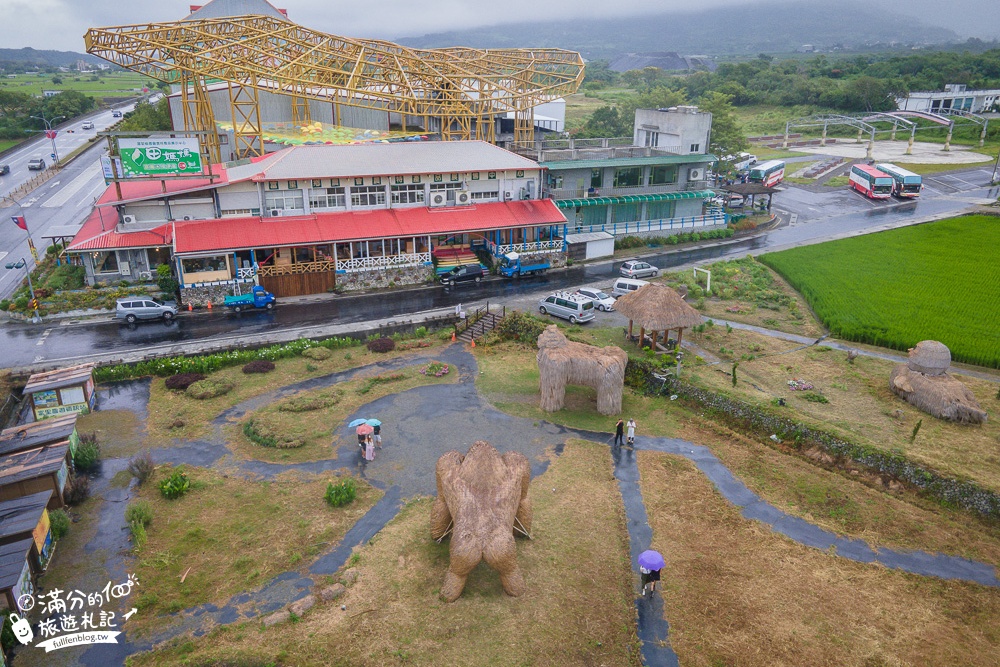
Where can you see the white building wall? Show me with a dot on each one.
(676, 131)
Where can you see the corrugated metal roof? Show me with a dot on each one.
(216, 9)
(36, 434)
(21, 515)
(32, 463)
(586, 237)
(241, 233)
(375, 159)
(12, 557)
(628, 199)
(61, 377)
(702, 158)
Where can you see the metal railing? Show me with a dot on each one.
(665, 225)
(377, 263)
(531, 247)
(463, 325)
(298, 269)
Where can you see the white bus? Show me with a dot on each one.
(905, 183)
(767, 173)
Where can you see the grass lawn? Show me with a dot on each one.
(312, 427)
(860, 405)
(763, 153)
(928, 169)
(837, 181)
(577, 609)
(8, 143)
(230, 534)
(579, 108)
(117, 82)
(736, 593)
(899, 287)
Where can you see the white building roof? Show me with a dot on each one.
(375, 159)
(215, 9)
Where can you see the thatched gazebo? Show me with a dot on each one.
(657, 308)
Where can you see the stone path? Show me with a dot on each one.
(419, 426)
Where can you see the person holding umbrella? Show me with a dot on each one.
(376, 432)
(364, 431)
(650, 564)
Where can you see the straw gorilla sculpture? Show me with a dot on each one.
(483, 499)
(561, 362)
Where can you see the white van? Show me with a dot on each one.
(625, 286)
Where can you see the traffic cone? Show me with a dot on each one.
(210, 305)
(190, 307)
(473, 342)
(452, 336)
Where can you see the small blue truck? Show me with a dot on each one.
(258, 297)
(511, 266)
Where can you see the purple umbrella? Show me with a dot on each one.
(651, 560)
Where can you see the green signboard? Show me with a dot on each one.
(159, 157)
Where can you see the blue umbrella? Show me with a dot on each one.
(651, 560)
(357, 422)
(373, 422)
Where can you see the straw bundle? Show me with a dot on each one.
(561, 362)
(483, 499)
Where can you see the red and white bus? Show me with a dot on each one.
(767, 173)
(906, 183)
(871, 182)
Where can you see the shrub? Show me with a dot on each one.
(260, 430)
(259, 366)
(140, 512)
(141, 466)
(182, 381)
(176, 485)
(815, 397)
(21, 303)
(382, 345)
(59, 522)
(88, 452)
(208, 388)
(77, 489)
(317, 353)
(520, 327)
(4, 304)
(435, 368)
(420, 332)
(310, 401)
(342, 493)
(138, 534)
(372, 382)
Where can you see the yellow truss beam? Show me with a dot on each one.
(463, 88)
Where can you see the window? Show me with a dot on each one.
(449, 188)
(105, 262)
(555, 182)
(628, 177)
(369, 195)
(695, 148)
(359, 181)
(334, 182)
(663, 175)
(202, 264)
(489, 195)
(652, 138)
(285, 201)
(407, 194)
(238, 212)
(327, 198)
(272, 185)
(316, 183)
(596, 178)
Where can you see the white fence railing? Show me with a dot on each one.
(248, 274)
(552, 245)
(376, 263)
(665, 225)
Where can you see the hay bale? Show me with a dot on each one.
(929, 357)
(483, 498)
(941, 396)
(562, 362)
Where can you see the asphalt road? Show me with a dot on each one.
(812, 217)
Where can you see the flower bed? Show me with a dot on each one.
(435, 368)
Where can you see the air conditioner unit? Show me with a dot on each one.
(128, 219)
(439, 199)
(145, 275)
(463, 197)
(187, 217)
(274, 212)
(523, 194)
(124, 269)
(696, 174)
(507, 196)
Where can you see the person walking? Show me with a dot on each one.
(377, 435)
(619, 432)
(631, 432)
(649, 579)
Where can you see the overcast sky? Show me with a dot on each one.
(60, 24)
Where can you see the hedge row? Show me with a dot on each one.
(749, 418)
(208, 363)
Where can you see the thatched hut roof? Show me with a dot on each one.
(657, 308)
(929, 357)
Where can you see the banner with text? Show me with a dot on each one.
(159, 157)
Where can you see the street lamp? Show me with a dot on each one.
(50, 133)
(22, 264)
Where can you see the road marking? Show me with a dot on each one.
(37, 359)
(45, 334)
(75, 186)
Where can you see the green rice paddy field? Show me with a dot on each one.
(938, 281)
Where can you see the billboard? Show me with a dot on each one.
(159, 156)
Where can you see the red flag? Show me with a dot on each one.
(20, 221)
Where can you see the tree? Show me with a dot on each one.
(727, 135)
(148, 117)
(605, 122)
(13, 103)
(870, 94)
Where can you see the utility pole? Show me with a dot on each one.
(35, 317)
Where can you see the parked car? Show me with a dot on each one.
(602, 301)
(88, 125)
(132, 308)
(623, 286)
(636, 268)
(572, 307)
(4, 169)
(36, 164)
(465, 273)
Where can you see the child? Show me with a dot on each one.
(369, 449)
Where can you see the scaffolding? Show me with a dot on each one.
(461, 90)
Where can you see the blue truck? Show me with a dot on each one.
(512, 267)
(258, 297)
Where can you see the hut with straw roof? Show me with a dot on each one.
(657, 308)
(923, 381)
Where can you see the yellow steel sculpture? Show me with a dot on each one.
(457, 92)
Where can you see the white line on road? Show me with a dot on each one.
(64, 195)
(45, 334)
